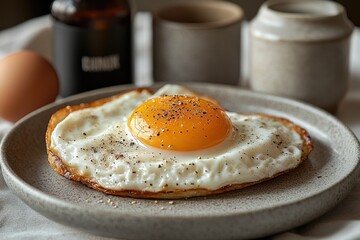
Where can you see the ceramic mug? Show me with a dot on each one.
(300, 49)
(197, 41)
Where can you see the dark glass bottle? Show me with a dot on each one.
(91, 44)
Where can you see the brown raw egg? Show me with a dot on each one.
(27, 81)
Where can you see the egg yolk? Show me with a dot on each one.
(179, 122)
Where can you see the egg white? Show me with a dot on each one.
(96, 143)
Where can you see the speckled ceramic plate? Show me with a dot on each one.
(267, 208)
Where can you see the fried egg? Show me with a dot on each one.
(169, 145)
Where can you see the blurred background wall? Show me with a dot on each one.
(16, 11)
(13, 12)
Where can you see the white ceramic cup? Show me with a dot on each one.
(300, 49)
(197, 41)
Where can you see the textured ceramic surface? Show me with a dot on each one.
(300, 49)
(197, 41)
(270, 207)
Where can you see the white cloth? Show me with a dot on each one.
(18, 221)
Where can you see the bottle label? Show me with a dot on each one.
(87, 59)
(100, 64)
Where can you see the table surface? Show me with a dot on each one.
(18, 221)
